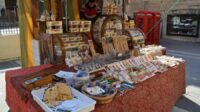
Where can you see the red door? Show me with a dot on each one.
(156, 30)
(144, 21)
(149, 23)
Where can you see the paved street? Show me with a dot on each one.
(189, 51)
(190, 102)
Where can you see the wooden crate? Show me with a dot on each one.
(54, 27)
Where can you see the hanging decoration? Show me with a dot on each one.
(90, 10)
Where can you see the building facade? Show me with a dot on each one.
(180, 18)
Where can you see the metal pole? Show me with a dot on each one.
(123, 9)
(66, 15)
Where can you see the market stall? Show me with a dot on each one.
(156, 88)
(95, 64)
(158, 93)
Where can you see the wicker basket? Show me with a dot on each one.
(100, 99)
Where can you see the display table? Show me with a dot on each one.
(157, 94)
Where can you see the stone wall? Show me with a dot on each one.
(9, 47)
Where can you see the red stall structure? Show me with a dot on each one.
(149, 23)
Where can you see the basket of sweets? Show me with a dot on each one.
(101, 92)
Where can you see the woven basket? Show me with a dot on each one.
(101, 99)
